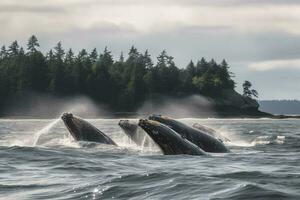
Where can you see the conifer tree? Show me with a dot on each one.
(32, 44)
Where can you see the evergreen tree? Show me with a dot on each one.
(13, 49)
(71, 75)
(247, 91)
(94, 55)
(100, 79)
(57, 67)
(147, 60)
(69, 59)
(3, 53)
(191, 68)
(32, 44)
(124, 84)
(186, 77)
(59, 52)
(226, 75)
(201, 67)
(82, 56)
(121, 59)
(21, 52)
(50, 56)
(168, 74)
(133, 54)
(162, 59)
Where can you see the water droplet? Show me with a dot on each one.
(96, 190)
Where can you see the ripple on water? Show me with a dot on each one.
(59, 168)
(253, 191)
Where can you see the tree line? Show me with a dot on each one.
(122, 83)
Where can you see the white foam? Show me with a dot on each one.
(240, 143)
(125, 142)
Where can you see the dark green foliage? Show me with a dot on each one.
(13, 49)
(123, 84)
(32, 44)
(247, 91)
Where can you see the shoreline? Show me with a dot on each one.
(143, 115)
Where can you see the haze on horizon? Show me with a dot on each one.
(260, 39)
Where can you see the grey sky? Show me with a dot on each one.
(259, 38)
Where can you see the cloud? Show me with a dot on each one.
(151, 16)
(275, 64)
(263, 35)
(172, 2)
(29, 9)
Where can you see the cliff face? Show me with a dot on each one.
(232, 104)
(229, 103)
(230, 98)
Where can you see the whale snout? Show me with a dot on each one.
(158, 117)
(66, 116)
(148, 123)
(142, 122)
(123, 122)
(154, 116)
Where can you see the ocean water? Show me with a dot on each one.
(39, 160)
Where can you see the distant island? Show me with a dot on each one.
(123, 85)
(281, 107)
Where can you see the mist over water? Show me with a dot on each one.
(34, 105)
(192, 106)
(263, 163)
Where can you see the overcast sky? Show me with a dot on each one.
(260, 39)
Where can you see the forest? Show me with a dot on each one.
(122, 83)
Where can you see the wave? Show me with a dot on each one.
(253, 191)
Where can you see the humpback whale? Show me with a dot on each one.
(135, 133)
(205, 141)
(211, 132)
(82, 130)
(170, 142)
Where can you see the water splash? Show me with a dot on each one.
(240, 143)
(274, 139)
(144, 142)
(260, 140)
(46, 129)
(147, 146)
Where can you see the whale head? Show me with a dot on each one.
(73, 124)
(159, 118)
(148, 125)
(128, 125)
(160, 134)
(162, 119)
(169, 141)
(66, 116)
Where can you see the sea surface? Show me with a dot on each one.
(39, 160)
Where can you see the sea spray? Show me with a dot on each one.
(144, 141)
(43, 131)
